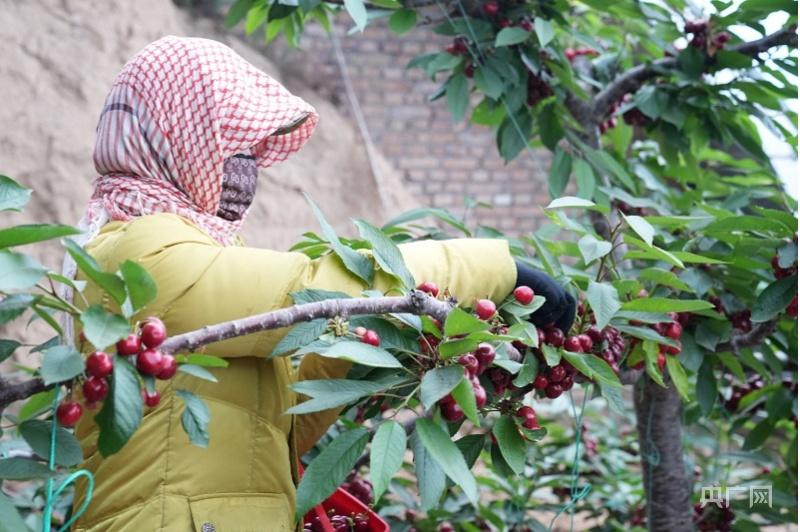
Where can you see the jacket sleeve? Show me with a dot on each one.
(469, 268)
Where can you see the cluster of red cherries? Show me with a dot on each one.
(699, 30)
(143, 349)
(355, 522)
(712, 517)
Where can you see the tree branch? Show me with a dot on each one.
(415, 302)
(632, 79)
(18, 391)
(755, 336)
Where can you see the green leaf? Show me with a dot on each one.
(642, 228)
(20, 468)
(489, 82)
(604, 300)
(312, 295)
(197, 371)
(525, 331)
(439, 382)
(510, 35)
(651, 362)
(447, 455)
(461, 322)
(329, 469)
(439, 214)
(754, 224)
(355, 262)
(103, 328)
(237, 12)
(605, 163)
(300, 335)
(464, 394)
(386, 252)
(585, 179)
(361, 353)
(692, 61)
(208, 361)
(386, 455)
(12, 307)
(38, 433)
(400, 22)
(457, 96)
(141, 287)
(10, 520)
(61, 363)
(530, 367)
(471, 446)
(774, 299)
(452, 348)
(756, 437)
(544, 31)
(195, 418)
(706, 388)
(733, 364)
(331, 393)
(37, 404)
(560, 169)
(19, 272)
(662, 304)
(550, 129)
(7, 348)
(512, 446)
(20, 235)
(121, 414)
(663, 277)
(13, 197)
(113, 285)
(645, 333)
(431, 479)
(552, 356)
(678, 376)
(569, 201)
(358, 12)
(592, 249)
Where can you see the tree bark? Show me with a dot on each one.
(667, 488)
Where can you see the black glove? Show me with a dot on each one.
(559, 309)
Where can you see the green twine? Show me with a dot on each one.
(575, 494)
(51, 494)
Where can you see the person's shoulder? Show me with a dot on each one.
(150, 233)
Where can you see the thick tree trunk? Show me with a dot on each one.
(658, 421)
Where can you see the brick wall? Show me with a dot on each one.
(441, 162)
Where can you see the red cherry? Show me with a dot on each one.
(531, 423)
(569, 382)
(360, 331)
(451, 411)
(151, 399)
(541, 335)
(470, 363)
(524, 294)
(586, 342)
(504, 23)
(485, 354)
(525, 411)
(371, 337)
(95, 389)
(570, 53)
(68, 413)
(148, 361)
(485, 308)
(674, 331)
(491, 8)
(540, 382)
(791, 310)
(153, 333)
(451, 49)
(480, 394)
(555, 337)
(573, 344)
(169, 366)
(526, 25)
(553, 390)
(556, 374)
(673, 350)
(99, 364)
(662, 361)
(429, 287)
(129, 345)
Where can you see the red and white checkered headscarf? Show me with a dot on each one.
(176, 112)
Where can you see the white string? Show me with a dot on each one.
(352, 97)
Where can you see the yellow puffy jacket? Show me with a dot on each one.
(245, 479)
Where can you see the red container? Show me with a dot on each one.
(342, 503)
